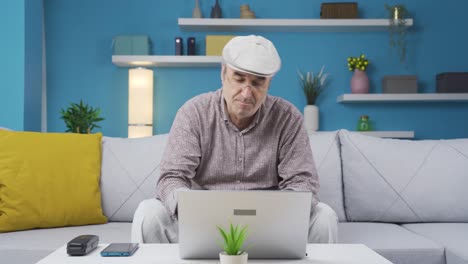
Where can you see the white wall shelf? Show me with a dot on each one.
(389, 134)
(421, 97)
(166, 61)
(382, 134)
(285, 25)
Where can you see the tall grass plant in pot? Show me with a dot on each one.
(233, 241)
(312, 85)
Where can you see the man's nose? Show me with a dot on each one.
(246, 91)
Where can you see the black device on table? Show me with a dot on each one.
(119, 250)
(82, 245)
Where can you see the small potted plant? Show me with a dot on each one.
(359, 81)
(233, 240)
(312, 85)
(398, 28)
(81, 118)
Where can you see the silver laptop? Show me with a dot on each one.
(278, 222)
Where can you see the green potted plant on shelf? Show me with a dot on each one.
(397, 29)
(313, 86)
(233, 240)
(81, 118)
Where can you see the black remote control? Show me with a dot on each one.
(82, 245)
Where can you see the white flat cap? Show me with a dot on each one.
(252, 54)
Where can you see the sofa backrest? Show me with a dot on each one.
(326, 151)
(129, 171)
(401, 181)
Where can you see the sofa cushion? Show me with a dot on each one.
(391, 180)
(32, 245)
(454, 236)
(49, 180)
(326, 151)
(130, 170)
(393, 242)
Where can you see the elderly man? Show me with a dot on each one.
(235, 138)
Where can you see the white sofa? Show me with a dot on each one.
(405, 199)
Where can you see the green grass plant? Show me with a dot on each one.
(233, 239)
(313, 84)
(81, 118)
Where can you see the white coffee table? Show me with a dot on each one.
(169, 253)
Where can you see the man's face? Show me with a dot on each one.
(244, 93)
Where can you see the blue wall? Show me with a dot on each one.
(79, 35)
(33, 65)
(12, 68)
(21, 72)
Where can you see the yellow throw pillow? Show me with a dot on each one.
(49, 180)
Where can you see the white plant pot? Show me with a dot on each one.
(233, 259)
(311, 118)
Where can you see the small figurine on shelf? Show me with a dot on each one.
(364, 124)
(196, 11)
(216, 11)
(245, 12)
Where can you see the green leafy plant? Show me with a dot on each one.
(313, 85)
(233, 239)
(361, 63)
(398, 28)
(81, 118)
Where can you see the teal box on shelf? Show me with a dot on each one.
(131, 45)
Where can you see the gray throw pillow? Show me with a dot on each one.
(402, 181)
(326, 151)
(129, 172)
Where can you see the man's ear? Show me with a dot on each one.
(223, 72)
(269, 79)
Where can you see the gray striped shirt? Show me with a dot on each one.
(206, 151)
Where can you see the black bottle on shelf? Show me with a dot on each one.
(179, 46)
(216, 11)
(191, 46)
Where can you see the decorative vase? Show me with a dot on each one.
(245, 12)
(216, 11)
(233, 259)
(196, 11)
(359, 82)
(311, 118)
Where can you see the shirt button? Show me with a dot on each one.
(238, 181)
(240, 159)
(240, 134)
